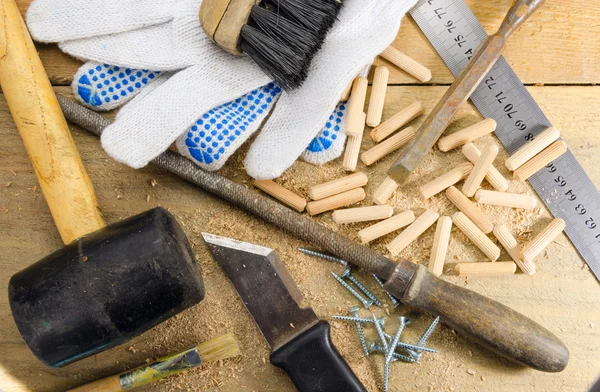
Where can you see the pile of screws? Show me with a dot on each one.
(389, 345)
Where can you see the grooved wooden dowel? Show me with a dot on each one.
(385, 191)
(541, 241)
(380, 82)
(407, 64)
(476, 236)
(469, 208)
(397, 121)
(445, 180)
(506, 199)
(386, 227)
(362, 214)
(532, 148)
(513, 248)
(467, 135)
(282, 194)
(355, 122)
(473, 182)
(353, 149)
(440, 245)
(412, 232)
(538, 162)
(387, 146)
(330, 188)
(493, 176)
(486, 268)
(337, 201)
(346, 93)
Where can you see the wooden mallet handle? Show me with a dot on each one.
(43, 128)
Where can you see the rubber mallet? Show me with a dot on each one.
(108, 284)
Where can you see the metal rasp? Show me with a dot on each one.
(466, 82)
(481, 319)
(300, 342)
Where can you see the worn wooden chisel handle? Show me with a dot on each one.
(44, 130)
(481, 319)
(460, 91)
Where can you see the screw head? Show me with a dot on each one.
(347, 272)
(354, 311)
(404, 320)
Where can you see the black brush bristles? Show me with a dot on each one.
(282, 36)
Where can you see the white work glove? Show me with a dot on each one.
(196, 94)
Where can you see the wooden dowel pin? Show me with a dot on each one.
(532, 148)
(386, 227)
(378, 91)
(355, 122)
(407, 64)
(282, 194)
(440, 245)
(362, 214)
(541, 241)
(473, 182)
(446, 180)
(493, 176)
(353, 149)
(385, 191)
(412, 232)
(467, 135)
(505, 199)
(513, 248)
(476, 236)
(469, 208)
(486, 268)
(337, 201)
(334, 187)
(538, 162)
(397, 121)
(387, 146)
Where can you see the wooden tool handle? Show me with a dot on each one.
(517, 15)
(487, 322)
(108, 384)
(44, 130)
(222, 21)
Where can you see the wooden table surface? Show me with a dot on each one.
(556, 54)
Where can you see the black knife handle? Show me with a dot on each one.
(314, 364)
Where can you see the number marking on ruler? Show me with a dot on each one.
(563, 185)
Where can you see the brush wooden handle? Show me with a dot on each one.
(44, 130)
(222, 21)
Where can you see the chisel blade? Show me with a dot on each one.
(265, 287)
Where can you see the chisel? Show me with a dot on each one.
(300, 341)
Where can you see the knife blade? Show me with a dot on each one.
(300, 342)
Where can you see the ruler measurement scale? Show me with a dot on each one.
(563, 185)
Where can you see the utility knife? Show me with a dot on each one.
(300, 342)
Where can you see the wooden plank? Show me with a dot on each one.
(563, 295)
(559, 45)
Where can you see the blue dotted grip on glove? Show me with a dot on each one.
(105, 87)
(329, 143)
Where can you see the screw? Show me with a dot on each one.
(352, 291)
(415, 347)
(361, 335)
(376, 348)
(386, 375)
(428, 332)
(348, 275)
(324, 256)
(380, 333)
(395, 302)
(358, 319)
(396, 339)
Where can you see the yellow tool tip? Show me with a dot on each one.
(221, 347)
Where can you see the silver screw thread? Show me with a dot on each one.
(356, 319)
(352, 291)
(348, 275)
(416, 347)
(361, 335)
(386, 376)
(395, 302)
(376, 348)
(428, 332)
(395, 340)
(380, 333)
(324, 256)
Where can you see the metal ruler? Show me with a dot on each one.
(564, 187)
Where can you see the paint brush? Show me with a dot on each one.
(221, 347)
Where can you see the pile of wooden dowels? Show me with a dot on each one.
(479, 166)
